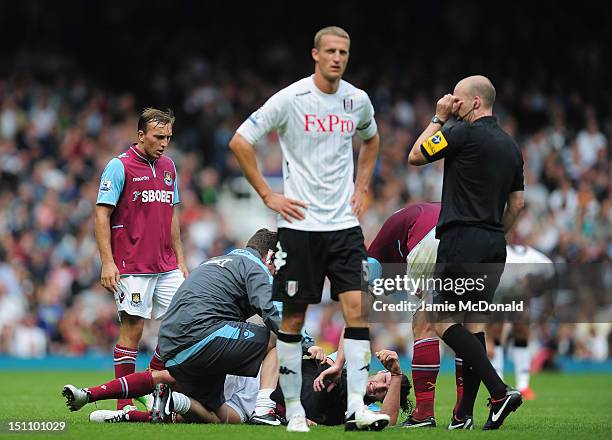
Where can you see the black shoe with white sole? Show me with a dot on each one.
(501, 408)
(269, 419)
(429, 422)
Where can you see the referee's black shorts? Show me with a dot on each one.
(470, 253)
(311, 256)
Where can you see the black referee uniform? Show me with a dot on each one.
(482, 166)
(483, 172)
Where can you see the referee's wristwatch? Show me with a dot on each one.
(436, 120)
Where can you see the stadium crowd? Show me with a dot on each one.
(57, 132)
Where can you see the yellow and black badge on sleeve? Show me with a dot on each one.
(434, 145)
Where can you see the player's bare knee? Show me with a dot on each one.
(351, 309)
(130, 330)
(475, 327)
(354, 318)
(292, 326)
(293, 318)
(423, 330)
(131, 321)
(441, 327)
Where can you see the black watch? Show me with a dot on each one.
(436, 120)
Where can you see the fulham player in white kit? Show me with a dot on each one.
(527, 269)
(318, 228)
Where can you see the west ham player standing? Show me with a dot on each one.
(318, 227)
(138, 235)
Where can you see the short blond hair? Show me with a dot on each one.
(330, 30)
(150, 114)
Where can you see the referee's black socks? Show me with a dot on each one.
(471, 383)
(474, 355)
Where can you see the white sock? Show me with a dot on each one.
(358, 354)
(522, 359)
(498, 360)
(264, 404)
(181, 402)
(290, 378)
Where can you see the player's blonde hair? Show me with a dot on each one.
(330, 30)
(150, 114)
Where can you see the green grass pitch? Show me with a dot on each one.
(577, 406)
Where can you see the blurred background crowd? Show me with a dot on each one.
(67, 106)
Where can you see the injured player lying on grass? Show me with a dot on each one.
(326, 406)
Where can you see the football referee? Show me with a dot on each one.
(482, 195)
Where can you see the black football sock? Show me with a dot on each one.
(473, 354)
(471, 384)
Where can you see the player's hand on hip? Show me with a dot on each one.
(317, 353)
(358, 201)
(390, 361)
(332, 374)
(288, 208)
(445, 106)
(110, 277)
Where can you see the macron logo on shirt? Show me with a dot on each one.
(327, 124)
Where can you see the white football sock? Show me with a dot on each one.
(522, 359)
(357, 353)
(290, 378)
(498, 360)
(264, 404)
(181, 402)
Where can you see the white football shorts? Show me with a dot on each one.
(241, 394)
(148, 296)
(420, 265)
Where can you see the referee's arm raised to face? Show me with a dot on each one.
(445, 107)
(434, 144)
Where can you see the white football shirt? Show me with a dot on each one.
(316, 131)
(522, 261)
